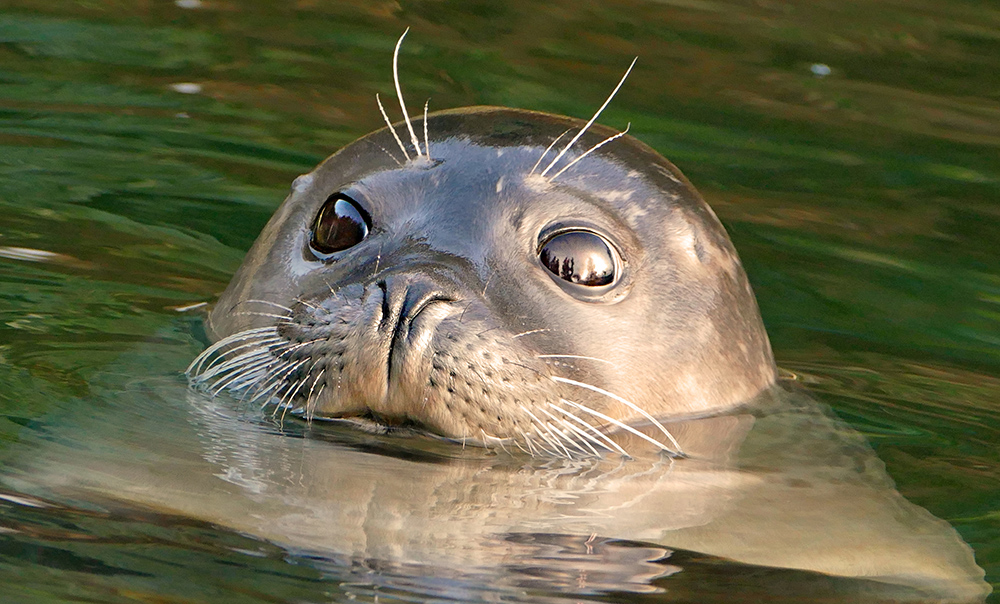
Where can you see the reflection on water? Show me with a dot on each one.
(143, 145)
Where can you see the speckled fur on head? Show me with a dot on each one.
(443, 317)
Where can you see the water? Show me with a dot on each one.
(143, 146)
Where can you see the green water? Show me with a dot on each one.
(864, 204)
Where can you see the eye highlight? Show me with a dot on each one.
(581, 258)
(340, 224)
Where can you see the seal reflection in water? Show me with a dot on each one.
(555, 289)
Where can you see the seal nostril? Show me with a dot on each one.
(404, 298)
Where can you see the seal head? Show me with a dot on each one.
(465, 292)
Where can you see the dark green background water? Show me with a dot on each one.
(865, 204)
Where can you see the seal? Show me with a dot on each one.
(486, 285)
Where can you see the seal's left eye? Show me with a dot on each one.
(340, 224)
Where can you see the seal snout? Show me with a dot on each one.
(412, 307)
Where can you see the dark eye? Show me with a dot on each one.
(340, 224)
(579, 257)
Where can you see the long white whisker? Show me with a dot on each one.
(546, 152)
(427, 140)
(282, 318)
(550, 452)
(242, 360)
(293, 347)
(531, 446)
(528, 333)
(269, 303)
(281, 404)
(591, 150)
(399, 91)
(592, 120)
(236, 337)
(221, 357)
(273, 377)
(199, 361)
(303, 301)
(588, 438)
(627, 403)
(573, 430)
(251, 369)
(386, 151)
(595, 431)
(553, 440)
(499, 441)
(388, 123)
(571, 356)
(521, 447)
(286, 401)
(312, 412)
(309, 397)
(621, 425)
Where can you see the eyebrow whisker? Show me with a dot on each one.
(399, 91)
(592, 120)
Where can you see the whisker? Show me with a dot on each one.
(427, 140)
(283, 318)
(388, 123)
(528, 333)
(309, 398)
(546, 152)
(269, 303)
(311, 411)
(272, 378)
(241, 336)
(571, 356)
(290, 348)
(549, 452)
(386, 151)
(219, 358)
(591, 150)
(253, 369)
(247, 357)
(594, 430)
(621, 400)
(281, 402)
(488, 437)
(621, 425)
(286, 401)
(399, 91)
(521, 447)
(531, 447)
(378, 260)
(305, 302)
(553, 440)
(573, 429)
(587, 438)
(592, 120)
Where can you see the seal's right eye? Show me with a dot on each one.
(580, 257)
(340, 224)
